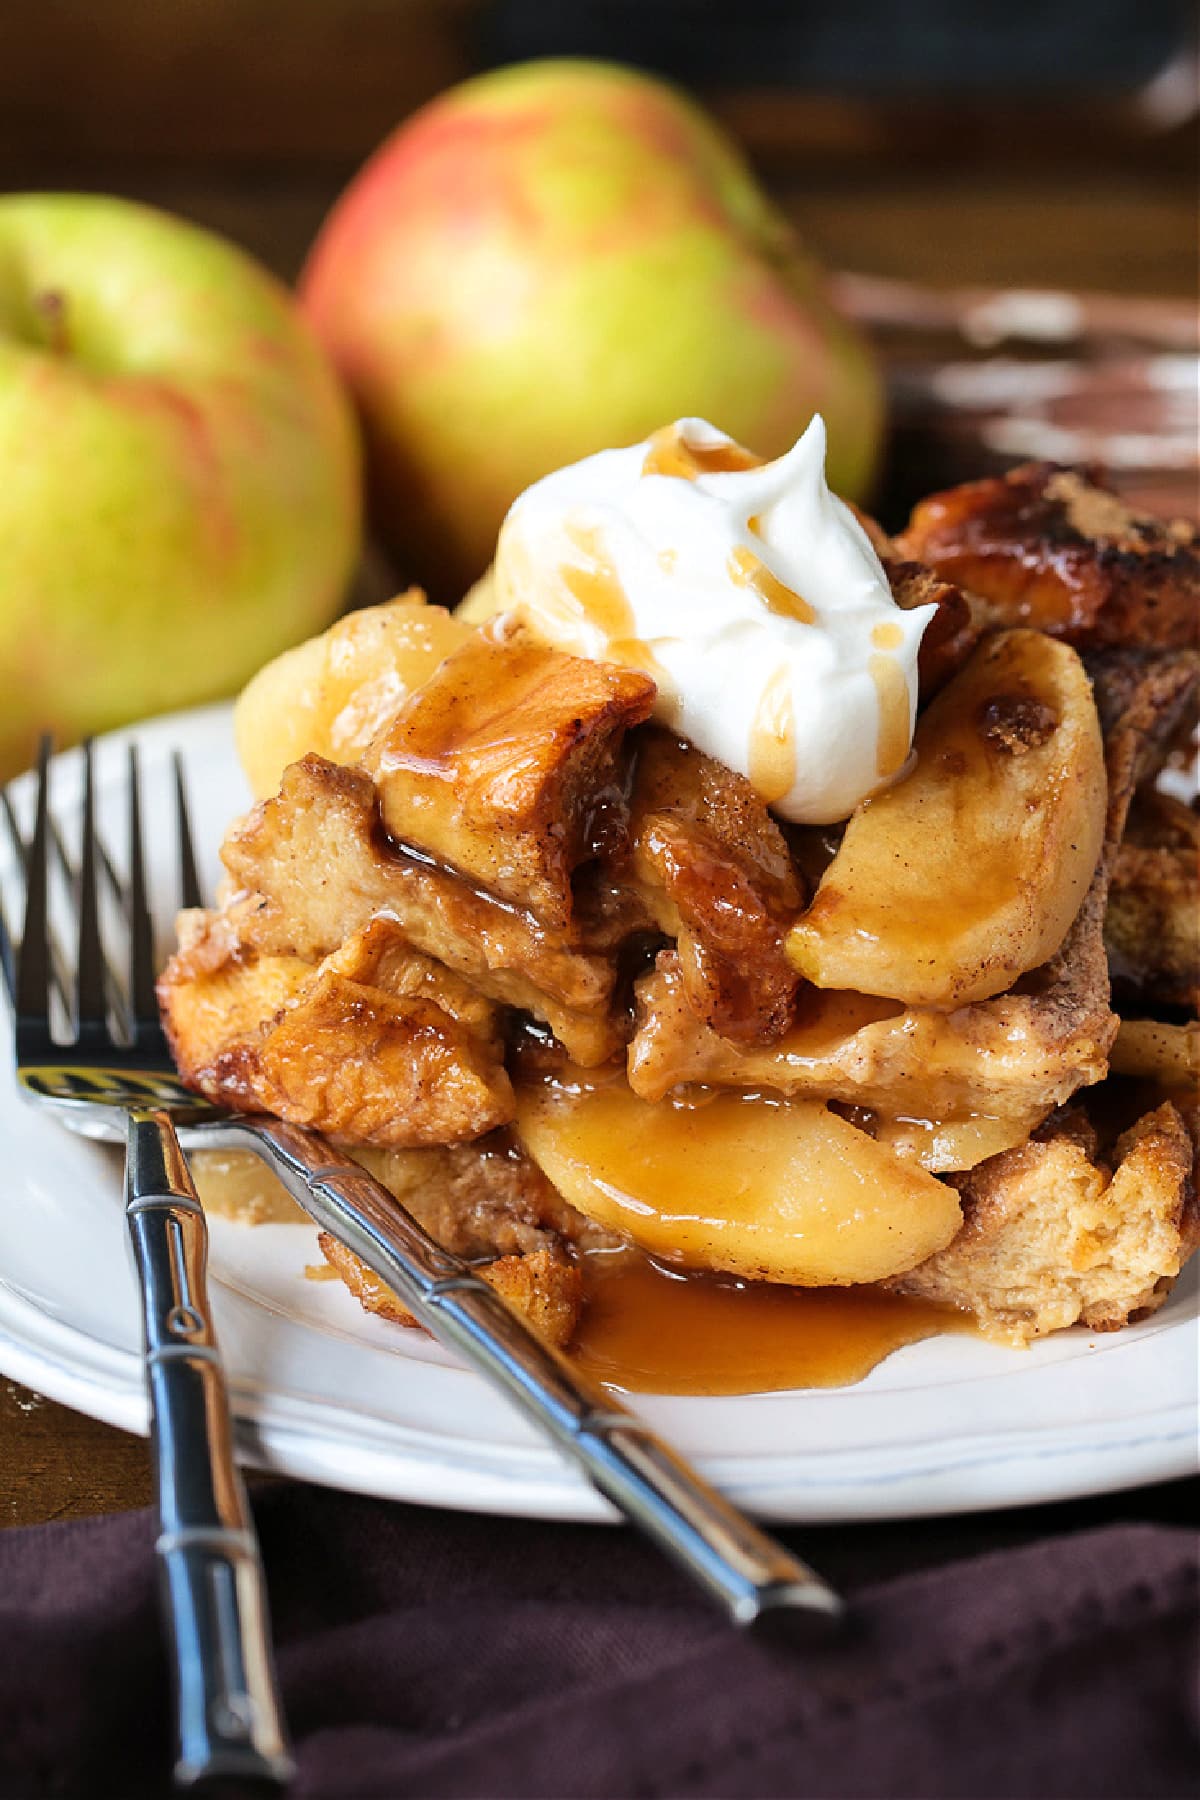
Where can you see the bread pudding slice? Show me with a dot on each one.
(409, 1056)
(516, 844)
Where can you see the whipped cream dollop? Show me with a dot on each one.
(749, 592)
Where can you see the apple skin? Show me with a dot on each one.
(557, 258)
(181, 487)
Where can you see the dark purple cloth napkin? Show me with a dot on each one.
(426, 1653)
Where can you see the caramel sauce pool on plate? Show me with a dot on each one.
(647, 1329)
(651, 1330)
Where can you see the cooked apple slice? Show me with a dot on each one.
(969, 872)
(777, 1191)
(334, 692)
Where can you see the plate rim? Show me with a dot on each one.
(1164, 1449)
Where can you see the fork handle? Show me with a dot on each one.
(751, 1576)
(214, 1593)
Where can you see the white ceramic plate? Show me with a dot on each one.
(323, 1391)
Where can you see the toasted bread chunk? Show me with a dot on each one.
(380, 956)
(353, 1062)
(314, 868)
(1152, 926)
(212, 995)
(673, 776)
(275, 1035)
(505, 765)
(480, 1200)
(483, 1200)
(1046, 547)
(716, 873)
(544, 1287)
(1053, 1237)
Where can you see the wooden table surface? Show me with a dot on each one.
(1123, 222)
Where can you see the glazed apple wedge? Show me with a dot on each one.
(774, 1191)
(967, 874)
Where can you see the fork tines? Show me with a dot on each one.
(104, 1012)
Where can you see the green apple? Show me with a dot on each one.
(554, 259)
(179, 479)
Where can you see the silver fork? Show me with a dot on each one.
(109, 1082)
(752, 1577)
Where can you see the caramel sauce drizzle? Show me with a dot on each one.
(773, 739)
(599, 597)
(887, 636)
(747, 570)
(594, 586)
(892, 690)
(669, 453)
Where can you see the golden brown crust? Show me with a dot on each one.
(277, 1035)
(545, 1288)
(212, 995)
(1052, 1236)
(1047, 547)
(505, 766)
(350, 1061)
(380, 956)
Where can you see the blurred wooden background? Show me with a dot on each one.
(250, 115)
